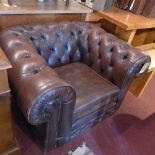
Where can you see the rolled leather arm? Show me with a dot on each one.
(138, 65)
(40, 92)
(36, 87)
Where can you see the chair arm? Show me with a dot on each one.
(39, 91)
(138, 66)
(42, 95)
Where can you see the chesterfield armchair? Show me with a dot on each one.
(67, 77)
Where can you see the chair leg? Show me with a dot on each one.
(46, 134)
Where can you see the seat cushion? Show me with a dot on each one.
(92, 91)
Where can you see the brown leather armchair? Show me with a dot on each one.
(66, 77)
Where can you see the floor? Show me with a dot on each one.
(130, 131)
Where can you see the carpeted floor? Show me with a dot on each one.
(131, 131)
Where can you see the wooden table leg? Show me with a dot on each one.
(131, 36)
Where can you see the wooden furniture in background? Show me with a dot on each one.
(29, 11)
(135, 29)
(7, 140)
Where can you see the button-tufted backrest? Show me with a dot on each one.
(64, 43)
(57, 43)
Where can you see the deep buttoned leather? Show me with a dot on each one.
(65, 43)
(36, 50)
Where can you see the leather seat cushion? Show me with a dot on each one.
(92, 91)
